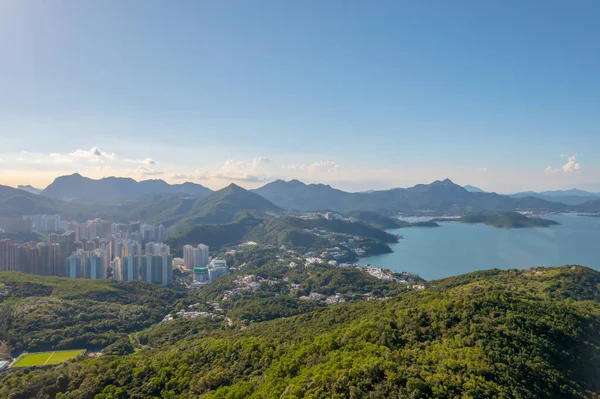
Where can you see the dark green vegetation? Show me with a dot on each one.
(377, 220)
(527, 334)
(15, 202)
(383, 222)
(281, 286)
(506, 219)
(43, 313)
(224, 206)
(439, 196)
(288, 230)
(279, 228)
(216, 235)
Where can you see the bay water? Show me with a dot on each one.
(458, 248)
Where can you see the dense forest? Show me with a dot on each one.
(41, 313)
(516, 333)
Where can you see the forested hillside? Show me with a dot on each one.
(41, 313)
(527, 334)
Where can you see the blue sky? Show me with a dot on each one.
(356, 94)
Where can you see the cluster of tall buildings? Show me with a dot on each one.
(151, 232)
(87, 230)
(43, 258)
(15, 225)
(132, 251)
(89, 264)
(156, 269)
(46, 223)
(155, 265)
(195, 256)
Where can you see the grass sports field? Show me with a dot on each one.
(45, 358)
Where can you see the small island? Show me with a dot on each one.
(501, 220)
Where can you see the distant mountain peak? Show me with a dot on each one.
(75, 186)
(233, 186)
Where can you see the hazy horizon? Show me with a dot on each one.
(361, 96)
(263, 183)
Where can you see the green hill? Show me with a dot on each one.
(378, 220)
(42, 313)
(527, 334)
(15, 202)
(288, 230)
(215, 235)
(314, 234)
(383, 222)
(507, 219)
(224, 206)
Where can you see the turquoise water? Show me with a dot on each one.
(457, 248)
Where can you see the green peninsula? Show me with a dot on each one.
(501, 220)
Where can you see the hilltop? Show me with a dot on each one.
(224, 206)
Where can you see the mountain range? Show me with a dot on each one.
(75, 186)
(184, 205)
(439, 196)
(568, 197)
(173, 210)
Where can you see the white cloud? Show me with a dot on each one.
(180, 177)
(483, 170)
(260, 162)
(262, 169)
(256, 171)
(322, 167)
(145, 161)
(94, 154)
(572, 165)
(232, 170)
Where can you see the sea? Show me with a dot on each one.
(458, 248)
